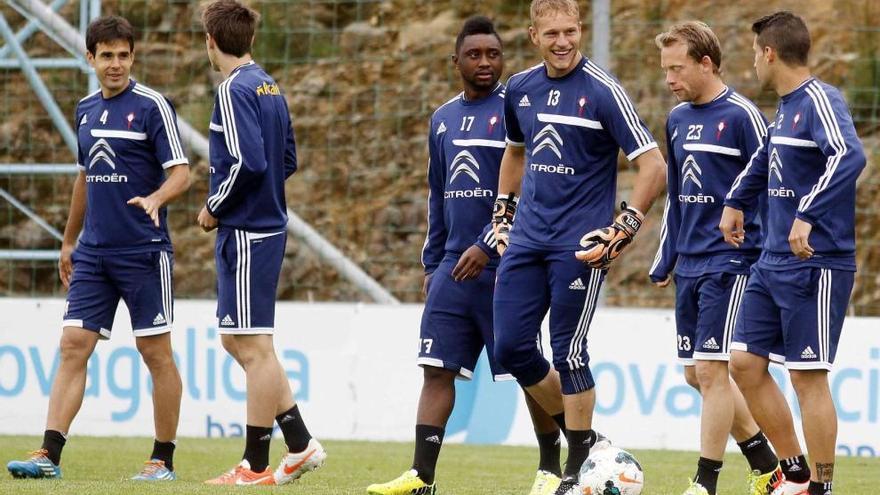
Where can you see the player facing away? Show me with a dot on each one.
(566, 120)
(131, 164)
(252, 153)
(465, 144)
(797, 294)
(710, 138)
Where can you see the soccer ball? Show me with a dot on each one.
(611, 471)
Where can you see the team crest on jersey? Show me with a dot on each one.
(129, 118)
(492, 121)
(721, 127)
(795, 120)
(582, 105)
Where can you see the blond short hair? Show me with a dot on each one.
(699, 38)
(541, 8)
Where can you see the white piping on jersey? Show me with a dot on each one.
(428, 229)
(635, 154)
(93, 93)
(451, 100)
(626, 109)
(664, 230)
(754, 114)
(835, 139)
(215, 127)
(530, 69)
(712, 148)
(491, 143)
(106, 133)
(167, 118)
(800, 143)
(230, 133)
(552, 118)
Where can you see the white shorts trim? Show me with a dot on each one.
(805, 366)
(463, 373)
(687, 361)
(711, 356)
(147, 332)
(246, 331)
(635, 154)
(506, 377)
(72, 323)
(741, 346)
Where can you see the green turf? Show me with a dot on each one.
(101, 465)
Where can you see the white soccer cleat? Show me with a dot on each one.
(295, 464)
(791, 488)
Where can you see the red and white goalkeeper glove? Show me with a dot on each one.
(502, 219)
(602, 246)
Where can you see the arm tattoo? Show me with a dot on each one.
(825, 472)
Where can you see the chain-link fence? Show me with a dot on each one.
(362, 78)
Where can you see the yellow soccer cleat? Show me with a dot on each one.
(762, 484)
(407, 483)
(546, 483)
(696, 489)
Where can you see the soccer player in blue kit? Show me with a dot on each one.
(252, 153)
(710, 138)
(465, 145)
(798, 292)
(566, 120)
(131, 164)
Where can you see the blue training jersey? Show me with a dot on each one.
(124, 145)
(808, 165)
(252, 152)
(465, 145)
(572, 128)
(708, 146)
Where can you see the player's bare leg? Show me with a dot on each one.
(548, 393)
(167, 390)
(77, 345)
(718, 411)
(819, 420)
(167, 387)
(765, 401)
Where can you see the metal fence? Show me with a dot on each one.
(362, 78)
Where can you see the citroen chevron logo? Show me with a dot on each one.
(775, 165)
(691, 171)
(464, 163)
(550, 139)
(101, 150)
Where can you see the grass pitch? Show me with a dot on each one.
(102, 465)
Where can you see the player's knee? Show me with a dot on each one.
(75, 348)
(690, 376)
(434, 376)
(741, 369)
(807, 382)
(509, 355)
(156, 357)
(710, 373)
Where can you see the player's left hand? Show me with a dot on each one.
(207, 221)
(602, 246)
(470, 265)
(150, 205)
(799, 239)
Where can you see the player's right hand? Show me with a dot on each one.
(665, 282)
(732, 222)
(502, 219)
(65, 265)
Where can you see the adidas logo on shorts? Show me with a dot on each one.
(711, 344)
(227, 322)
(577, 285)
(808, 353)
(159, 320)
(524, 102)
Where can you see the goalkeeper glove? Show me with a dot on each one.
(502, 219)
(602, 246)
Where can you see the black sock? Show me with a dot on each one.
(256, 447)
(429, 439)
(819, 488)
(53, 443)
(759, 454)
(164, 451)
(560, 420)
(549, 447)
(296, 435)
(579, 443)
(795, 469)
(707, 474)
